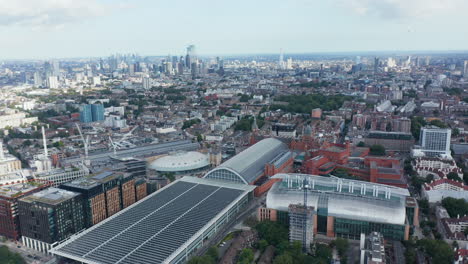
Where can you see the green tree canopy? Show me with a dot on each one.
(377, 150)
(455, 207)
(454, 176)
(246, 256)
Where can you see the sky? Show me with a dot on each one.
(44, 29)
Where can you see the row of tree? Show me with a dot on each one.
(305, 103)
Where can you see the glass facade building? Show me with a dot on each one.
(91, 113)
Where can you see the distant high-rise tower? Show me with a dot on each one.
(358, 59)
(465, 69)
(376, 64)
(281, 59)
(289, 64)
(56, 68)
(37, 79)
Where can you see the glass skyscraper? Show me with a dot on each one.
(91, 113)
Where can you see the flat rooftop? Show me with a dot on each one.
(157, 228)
(14, 190)
(50, 196)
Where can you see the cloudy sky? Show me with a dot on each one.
(81, 28)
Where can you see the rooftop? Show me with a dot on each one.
(50, 196)
(250, 163)
(14, 190)
(180, 161)
(343, 198)
(157, 228)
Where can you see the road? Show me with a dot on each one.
(142, 151)
(252, 207)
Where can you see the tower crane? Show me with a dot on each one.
(85, 143)
(116, 144)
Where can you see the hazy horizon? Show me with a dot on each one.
(45, 29)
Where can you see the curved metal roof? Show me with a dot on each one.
(180, 161)
(341, 204)
(250, 163)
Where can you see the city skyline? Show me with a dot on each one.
(45, 29)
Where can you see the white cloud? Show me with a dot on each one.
(406, 9)
(48, 13)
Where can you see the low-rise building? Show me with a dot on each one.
(440, 167)
(439, 189)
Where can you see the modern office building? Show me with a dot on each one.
(435, 141)
(91, 113)
(9, 196)
(168, 226)
(105, 194)
(344, 208)
(97, 111)
(52, 82)
(50, 216)
(86, 114)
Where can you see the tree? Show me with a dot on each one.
(199, 137)
(27, 143)
(341, 246)
(283, 259)
(361, 144)
(213, 253)
(377, 150)
(438, 250)
(429, 177)
(424, 205)
(8, 257)
(169, 175)
(438, 123)
(262, 245)
(416, 123)
(454, 176)
(246, 256)
(323, 252)
(58, 144)
(455, 132)
(273, 232)
(244, 98)
(455, 207)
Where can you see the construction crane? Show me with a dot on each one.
(116, 144)
(85, 142)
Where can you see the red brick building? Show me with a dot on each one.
(357, 162)
(9, 196)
